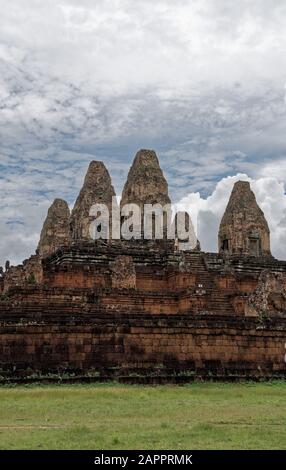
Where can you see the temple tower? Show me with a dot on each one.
(55, 231)
(97, 189)
(243, 229)
(146, 184)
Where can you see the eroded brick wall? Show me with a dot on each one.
(124, 346)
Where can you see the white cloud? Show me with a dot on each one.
(207, 212)
(201, 81)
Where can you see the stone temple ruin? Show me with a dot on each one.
(144, 310)
(243, 229)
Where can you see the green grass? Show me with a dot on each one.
(113, 416)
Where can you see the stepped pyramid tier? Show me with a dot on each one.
(183, 223)
(97, 189)
(55, 231)
(243, 228)
(146, 183)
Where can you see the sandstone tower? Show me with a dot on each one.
(97, 189)
(145, 183)
(55, 231)
(244, 229)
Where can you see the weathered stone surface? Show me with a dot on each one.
(269, 297)
(55, 231)
(145, 183)
(97, 189)
(33, 270)
(243, 228)
(28, 273)
(123, 275)
(14, 276)
(181, 314)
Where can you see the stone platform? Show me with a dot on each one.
(170, 316)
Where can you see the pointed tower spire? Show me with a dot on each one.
(97, 189)
(145, 183)
(243, 228)
(55, 231)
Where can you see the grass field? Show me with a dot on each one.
(113, 416)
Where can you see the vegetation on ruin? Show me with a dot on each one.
(114, 416)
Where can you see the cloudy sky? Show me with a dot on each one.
(200, 81)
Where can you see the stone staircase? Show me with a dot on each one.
(218, 301)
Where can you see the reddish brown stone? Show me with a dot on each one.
(123, 273)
